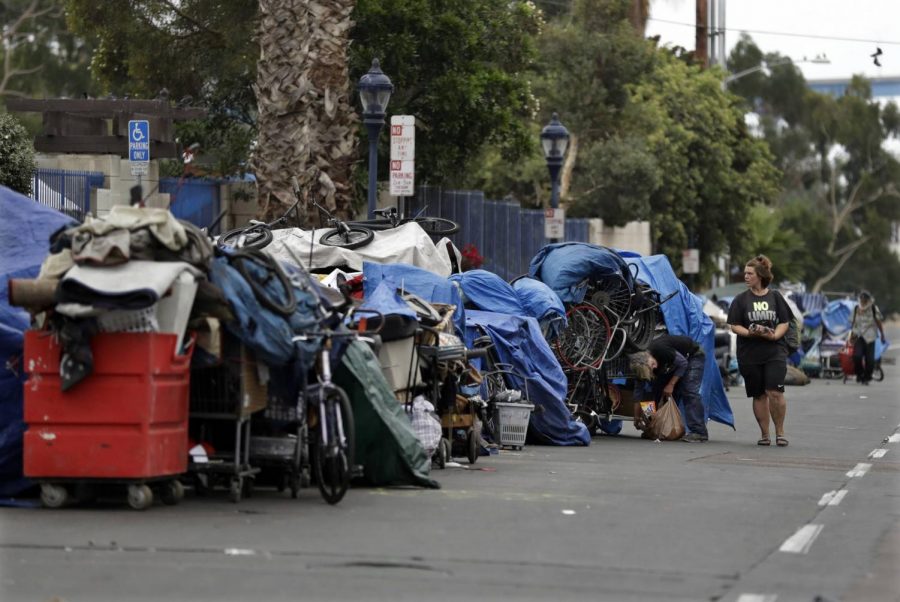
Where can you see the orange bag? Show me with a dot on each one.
(666, 423)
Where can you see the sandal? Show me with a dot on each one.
(764, 441)
(781, 442)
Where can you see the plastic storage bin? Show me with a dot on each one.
(126, 421)
(511, 423)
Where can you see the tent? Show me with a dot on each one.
(25, 229)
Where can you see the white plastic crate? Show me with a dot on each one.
(511, 423)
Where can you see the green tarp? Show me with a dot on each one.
(386, 445)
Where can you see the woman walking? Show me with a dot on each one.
(865, 329)
(760, 318)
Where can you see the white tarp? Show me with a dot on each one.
(408, 243)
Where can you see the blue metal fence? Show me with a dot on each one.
(197, 200)
(506, 235)
(66, 191)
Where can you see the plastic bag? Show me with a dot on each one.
(666, 423)
(425, 424)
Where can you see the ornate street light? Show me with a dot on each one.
(554, 140)
(374, 93)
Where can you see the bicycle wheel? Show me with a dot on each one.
(352, 237)
(333, 445)
(437, 226)
(583, 343)
(255, 237)
(258, 279)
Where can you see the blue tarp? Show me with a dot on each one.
(838, 316)
(683, 314)
(539, 300)
(25, 229)
(569, 267)
(518, 342)
(425, 284)
(489, 292)
(385, 300)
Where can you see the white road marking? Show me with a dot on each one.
(877, 453)
(757, 598)
(894, 438)
(239, 552)
(568, 512)
(833, 498)
(801, 541)
(859, 470)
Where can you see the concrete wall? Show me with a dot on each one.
(634, 236)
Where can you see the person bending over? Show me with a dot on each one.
(674, 366)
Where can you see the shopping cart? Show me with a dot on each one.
(223, 398)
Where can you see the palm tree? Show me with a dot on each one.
(306, 125)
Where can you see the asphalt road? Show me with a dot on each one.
(624, 519)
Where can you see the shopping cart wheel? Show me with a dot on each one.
(140, 497)
(234, 490)
(472, 446)
(54, 496)
(172, 492)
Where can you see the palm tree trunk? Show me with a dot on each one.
(306, 125)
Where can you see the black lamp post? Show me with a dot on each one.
(554, 139)
(374, 92)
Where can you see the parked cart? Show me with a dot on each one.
(123, 427)
(223, 398)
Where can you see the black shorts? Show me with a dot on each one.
(759, 378)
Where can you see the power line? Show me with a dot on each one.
(780, 33)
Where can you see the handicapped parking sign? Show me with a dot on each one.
(139, 146)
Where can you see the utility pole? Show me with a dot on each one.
(702, 33)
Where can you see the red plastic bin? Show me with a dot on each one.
(127, 420)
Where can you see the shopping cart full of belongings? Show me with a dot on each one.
(516, 340)
(829, 329)
(423, 361)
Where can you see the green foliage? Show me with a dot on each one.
(16, 155)
(51, 61)
(831, 151)
(202, 52)
(459, 66)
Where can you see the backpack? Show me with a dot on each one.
(792, 336)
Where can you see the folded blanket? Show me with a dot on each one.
(132, 285)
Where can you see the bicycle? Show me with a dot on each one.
(390, 218)
(327, 433)
(255, 235)
(348, 235)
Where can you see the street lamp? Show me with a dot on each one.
(554, 140)
(765, 67)
(374, 93)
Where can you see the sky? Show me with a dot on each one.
(877, 22)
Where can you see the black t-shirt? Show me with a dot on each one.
(663, 348)
(768, 310)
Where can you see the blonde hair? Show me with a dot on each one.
(640, 365)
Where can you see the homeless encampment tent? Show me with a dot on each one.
(25, 229)
(517, 340)
(569, 268)
(525, 297)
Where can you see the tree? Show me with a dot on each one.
(16, 155)
(840, 184)
(652, 136)
(306, 124)
(461, 67)
(199, 52)
(38, 55)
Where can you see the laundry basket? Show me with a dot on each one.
(511, 423)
